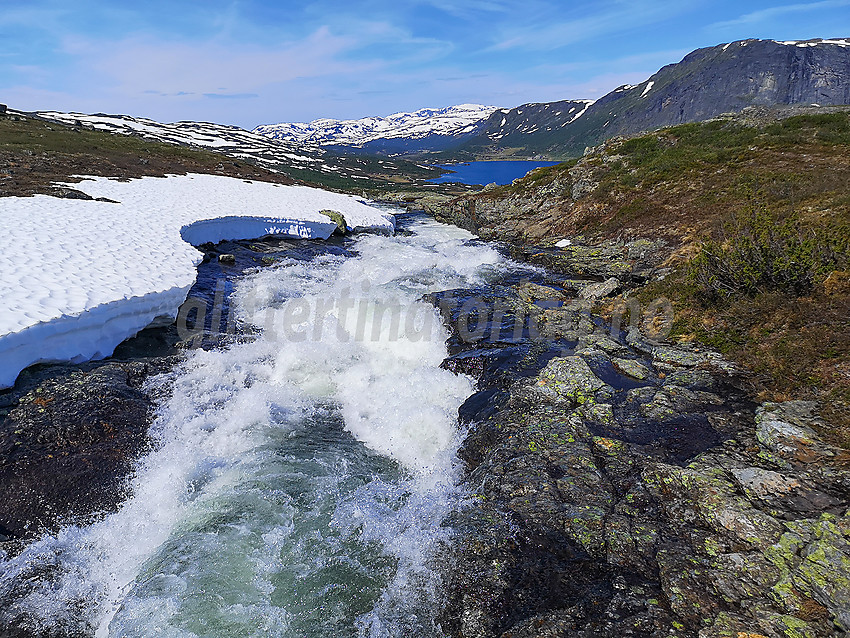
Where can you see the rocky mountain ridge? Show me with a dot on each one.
(707, 82)
(298, 160)
(704, 84)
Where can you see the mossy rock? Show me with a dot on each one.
(339, 220)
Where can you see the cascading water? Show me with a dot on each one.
(297, 481)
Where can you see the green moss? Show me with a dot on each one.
(338, 219)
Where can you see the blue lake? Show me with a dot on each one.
(501, 172)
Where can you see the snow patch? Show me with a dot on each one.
(80, 276)
(230, 140)
(813, 43)
(648, 88)
(587, 105)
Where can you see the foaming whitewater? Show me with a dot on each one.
(297, 482)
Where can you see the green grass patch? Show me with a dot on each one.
(669, 153)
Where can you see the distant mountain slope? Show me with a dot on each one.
(707, 82)
(229, 140)
(529, 126)
(420, 131)
(298, 159)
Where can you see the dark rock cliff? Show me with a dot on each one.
(707, 82)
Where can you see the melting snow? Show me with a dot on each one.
(80, 276)
(648, 88)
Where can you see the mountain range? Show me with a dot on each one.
(299, 159)
(706, 83)
(421, 131)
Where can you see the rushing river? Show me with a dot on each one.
(297, 478)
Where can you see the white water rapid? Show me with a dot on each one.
(297, 481)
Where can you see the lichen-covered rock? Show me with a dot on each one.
(632, 368)
(672, 401)
(568, 379)
(760, 483)
(604, 505)
(579, 260)
(600, 289)
(704, 496)
(601, 342)
(785, 430)
(824, 571)
(338, 219)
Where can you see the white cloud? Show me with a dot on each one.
(764, 15)
(602, 22)
(134, 65)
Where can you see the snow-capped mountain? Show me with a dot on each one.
(422, 130)
(706, 83)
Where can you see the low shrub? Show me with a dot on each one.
(758, 252)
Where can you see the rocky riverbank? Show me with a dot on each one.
(622, 485)
(619, 484)
(71, 434)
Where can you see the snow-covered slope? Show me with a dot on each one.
(299, 159)
(80, 276)
(453, 121)
(229, 140)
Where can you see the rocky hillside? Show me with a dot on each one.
(754, 224)
(626, 479)
(706, 83)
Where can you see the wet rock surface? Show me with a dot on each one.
(68, 438)
(624, 487)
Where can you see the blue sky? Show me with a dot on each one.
(249, 62)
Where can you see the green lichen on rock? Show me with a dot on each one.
(338, 219)
(631, 368)
(569, 379)
(706, 495)
(824, 572)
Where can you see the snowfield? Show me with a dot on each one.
(452, 120)
(80, 276)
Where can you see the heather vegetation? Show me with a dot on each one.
(763, 275)
(756, 252)
(757, 222)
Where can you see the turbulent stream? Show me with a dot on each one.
(297, 479)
